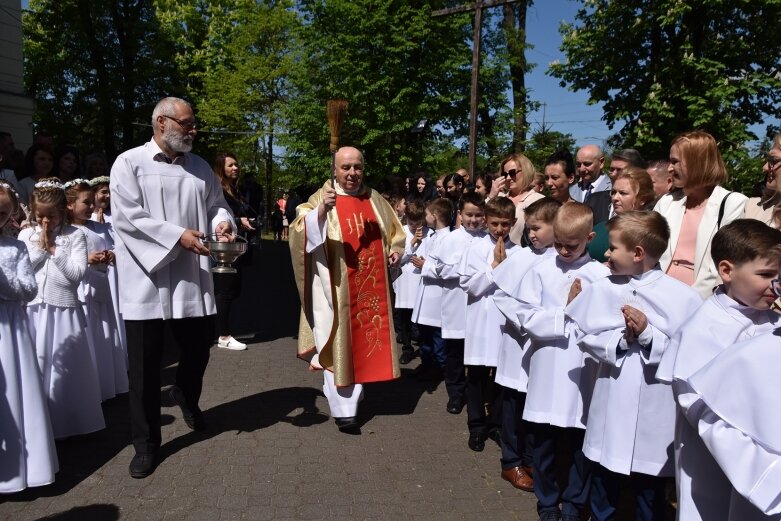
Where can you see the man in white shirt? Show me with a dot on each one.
(164, 199)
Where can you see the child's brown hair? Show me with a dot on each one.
(647, 229)
(72, 190)
(744, 240)
(442, 209)
(49, 191)
(544, 210)
(415, 211)
(501, 207)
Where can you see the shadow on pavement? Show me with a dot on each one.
(251, 413)
(88, 513)
(82, 456)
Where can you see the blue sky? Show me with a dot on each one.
(565, 111)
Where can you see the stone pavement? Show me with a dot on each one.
(271, 452)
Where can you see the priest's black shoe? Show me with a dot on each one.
(407, 356)
(142, 465)
(347, 423)
(192, 417)
(476, 442)
(455, 405)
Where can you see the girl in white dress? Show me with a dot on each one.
(58, 253)
(95, 291)
(102, 214)
(28, 456)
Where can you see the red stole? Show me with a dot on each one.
(365, 258)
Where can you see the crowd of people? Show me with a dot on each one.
(71, 338)
(586, 321)
(584, 316)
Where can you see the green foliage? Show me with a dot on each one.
(259, 72)
(94, 69)
(393, 62)
(666, 67)
(544, 142)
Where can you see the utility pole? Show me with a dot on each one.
(477, 7)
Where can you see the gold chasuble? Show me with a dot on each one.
(349, 277)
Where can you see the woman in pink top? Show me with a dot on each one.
(696, 209)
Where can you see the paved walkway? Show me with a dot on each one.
(271, 452)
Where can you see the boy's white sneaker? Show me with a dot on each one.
(232, 344)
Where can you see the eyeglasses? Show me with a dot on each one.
(187, 126)
(772, 161)
(511, 173)
(775, 285)
(584, 163)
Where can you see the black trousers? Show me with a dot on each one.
(145, 340)
(455, 377)
(227, 288)
(481, 390)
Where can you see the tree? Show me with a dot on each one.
(668, 66)
(544, 142)
(514, 27)
(94, 70)
(396, 64)
(238, 53)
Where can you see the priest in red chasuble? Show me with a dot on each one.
(342, 241)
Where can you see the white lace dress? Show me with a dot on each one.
(113, 279)
(105, 342)
(58, 327)
(28, 457)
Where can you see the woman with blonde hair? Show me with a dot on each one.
(633, 189)
(768, 207)
(518, 172)
(697, 210)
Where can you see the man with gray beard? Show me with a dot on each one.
(164, 201)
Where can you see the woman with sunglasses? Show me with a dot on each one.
(768, 207)
(518, 173)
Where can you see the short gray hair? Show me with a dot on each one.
(166, 107)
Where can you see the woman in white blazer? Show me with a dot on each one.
(696, 210)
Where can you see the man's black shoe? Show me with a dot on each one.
(142, 465)
(455, 405)
(346, 424)
(476, 442)
(192, 417)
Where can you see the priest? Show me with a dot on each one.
(342, 242)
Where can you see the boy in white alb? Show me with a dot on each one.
(626, 321)
(561, 376)
(470, 209)
(406, 285)
(512, 368)
(746, 255)
(483, 320)
(739, 423)
(427, 312)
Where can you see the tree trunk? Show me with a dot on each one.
(97, 60)
(514, 24)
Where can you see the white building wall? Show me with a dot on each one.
(16, 109)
